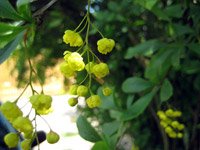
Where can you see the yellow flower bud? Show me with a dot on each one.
(172, 135)
(93, 101)
(105, 45)
(100, 70)
(168, 129)
(179, 135)
(163, 124)
(75, 61)
(161, 115)
(169, 112)
(82, 90)
(107, 91)
(180, 126)
(66, 70)
(90, 66)
(177, 114)
(72, 101)
(175, 124)
(72, 38)
(73, 89)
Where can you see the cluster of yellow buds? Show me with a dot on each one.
(74, 63)
(168, 120)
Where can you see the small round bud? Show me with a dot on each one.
(52, 137)
(26, 144)
(177, 113)
(179, 135)
(72, 101)
(107, 91)
(73, 89)
(180, 126)
(82, 90)
(163, 124)
(169, 112)
(172, 135)
(89, 67)
(11, 139)
(175, 124)
(168, 129)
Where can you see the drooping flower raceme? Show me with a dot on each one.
(105, 45)
(72, 38)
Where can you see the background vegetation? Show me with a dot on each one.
(155, 64)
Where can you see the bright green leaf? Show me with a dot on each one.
(138, 107)
(86, 131)
(101, 145)
(166, 90)
(7, 11)
(24, 9)
(135, 84)
(7, 50)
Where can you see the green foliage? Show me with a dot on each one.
(86, 131)
(135, 84)
(166, 90)
(138, 107)
(155, 64)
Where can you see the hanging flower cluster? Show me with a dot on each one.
(84, 59)
(168, 120)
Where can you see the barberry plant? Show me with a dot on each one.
(84, 59)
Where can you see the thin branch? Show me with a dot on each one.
(43, 9)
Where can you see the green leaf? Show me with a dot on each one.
(166, 90)
(175, 11)
(101, 145)
(148, 4)
(179, 29)
(86, 131)
(146, 48)
(7, 11)
(7, 50)
(129, 100)
(110, 128)
(138, 107)
(159, 65)
(8, 32)
(135, 84)
(24, 9)
(191, 67)
(160, 14)
(195, 47)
